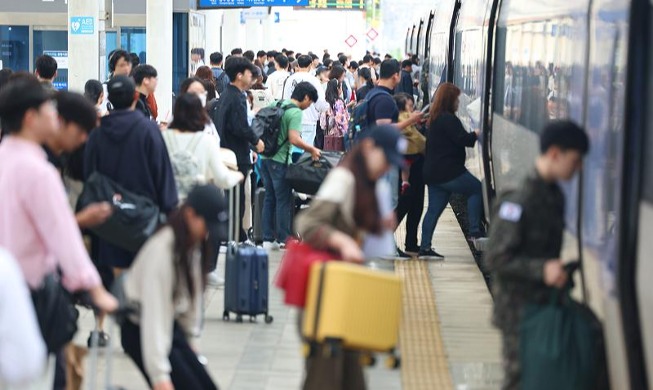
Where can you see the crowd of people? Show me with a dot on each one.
(55, 145)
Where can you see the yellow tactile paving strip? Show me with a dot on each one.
(424, 364)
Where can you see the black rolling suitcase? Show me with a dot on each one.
(246, 274)
(257, 216)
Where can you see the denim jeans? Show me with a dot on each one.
(277, 211)
(392, 177)
(465, 184)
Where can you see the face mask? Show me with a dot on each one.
(203, 99)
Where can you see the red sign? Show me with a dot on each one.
(351, 41)
(372, 34)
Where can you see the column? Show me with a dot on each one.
(253, 35)
(232, 34)
(213, 36)
(268, 32)
(82, 41)
(158, 42)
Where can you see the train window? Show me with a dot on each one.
(14, 47)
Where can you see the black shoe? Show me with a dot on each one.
(103, 339)
(403, 255)
(430, 254)
(412, 250)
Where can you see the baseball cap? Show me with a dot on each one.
(389, 138)
(209, 203)
(121, 91)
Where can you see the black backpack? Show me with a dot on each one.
(360, 121)
(267, 126)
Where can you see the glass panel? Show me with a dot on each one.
(197, 38)
(132, 39)
(14, 47)
(55, 44)
(180, 49)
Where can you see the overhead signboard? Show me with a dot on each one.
(337, 4)
(213, 4)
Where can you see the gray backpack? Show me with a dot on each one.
(185, 166)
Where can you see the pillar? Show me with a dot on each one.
(213, 35)
(232, 34)
(82, 40)
(268, 32)
(253, 35)
(158, 43)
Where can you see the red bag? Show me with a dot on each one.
(334, 143)
(294, 270)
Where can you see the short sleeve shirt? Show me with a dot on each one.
(383, 106)
(291, 120)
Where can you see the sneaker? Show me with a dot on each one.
(429, 254)
(213, 280)
(103, 339)
(271, 246)
(413, 251)
(402, 254)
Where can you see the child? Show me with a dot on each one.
(416, 140)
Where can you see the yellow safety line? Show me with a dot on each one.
(424, 364)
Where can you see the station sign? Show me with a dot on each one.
(213, 4)
(337, 4)
(60, 56)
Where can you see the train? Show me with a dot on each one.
(522, 63)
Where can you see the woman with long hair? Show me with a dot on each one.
(335, 121)
(366, 82)
(444, 166)
(205, 73)
(164, 286)
(344, 210)
(186, 133)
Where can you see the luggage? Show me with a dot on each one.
(257, 216)
(357, 306)
(306, 176)
(246, 276)
(334, 143)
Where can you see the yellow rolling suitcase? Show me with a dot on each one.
(354, 305)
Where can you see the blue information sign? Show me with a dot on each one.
(208, 4)
(82, 25)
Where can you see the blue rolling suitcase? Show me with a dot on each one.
(246, 276)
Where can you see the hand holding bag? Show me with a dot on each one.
(306, 176)
(55, 312)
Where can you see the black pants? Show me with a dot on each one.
(244, 170)
(412, 204)
(187, 371)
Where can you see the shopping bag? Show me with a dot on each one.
(295, 269)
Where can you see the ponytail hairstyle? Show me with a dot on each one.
(332, 95)
(366, 74)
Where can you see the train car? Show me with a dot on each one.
(421, 30)
(522, 63)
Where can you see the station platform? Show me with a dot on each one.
(446, 339)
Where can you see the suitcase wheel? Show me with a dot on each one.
(393, 362)
(252, 319)
(239, 318)
(268, 319)
(225, 316)
(367, 360)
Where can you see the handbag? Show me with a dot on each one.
(55, 312)
(295, 269)
(561, 345)
(306, 175)
(135, 217)
(334, 143)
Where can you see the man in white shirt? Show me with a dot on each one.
(277, 79)
(311, 115)
(22, 350)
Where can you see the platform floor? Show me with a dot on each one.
(453, 345)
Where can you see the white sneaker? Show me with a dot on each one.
(213, 280)
(270, 246)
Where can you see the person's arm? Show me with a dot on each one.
(294, 133)
(457, 133)
(506, 237)
(222, 177)
(22, 350)
(161, 169)
(321, 105)
(157, 312)
(57, 227)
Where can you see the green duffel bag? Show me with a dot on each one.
(561, 346)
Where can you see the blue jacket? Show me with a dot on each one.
(129, 148)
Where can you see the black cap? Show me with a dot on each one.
(390, 139)
(121, 89)
(209, 203)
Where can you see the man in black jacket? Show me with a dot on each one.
(232, 124)
(129, 149)
(146, 79)
(406, 81)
